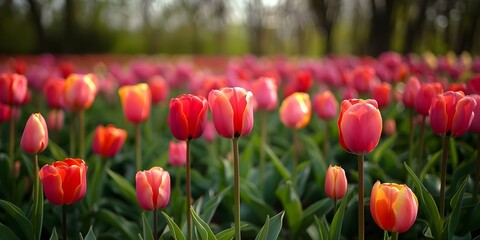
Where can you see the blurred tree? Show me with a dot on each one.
(255, 26)
(326, 13)
(382, 25)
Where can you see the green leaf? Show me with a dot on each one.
(20, 223)
(118, 222)
(54, 235)
(202, 227)
(278, 164)
(382, 147)
(337, 222)
(228, 233)
(212, 204)
(323, 228)
(57, 152)
(37, 218)
(147, 231)
(292, 205)
(90, 234)
(272, 227)
(127, 190)
(7, 233)
(429, 205)
(173, 227)
(456, 204)
(322, 206)
(430, 164)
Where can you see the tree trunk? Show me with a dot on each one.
(381, 27)
(415, 27)
(37, 23)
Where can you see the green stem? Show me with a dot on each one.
(420, 150)
(11, 149)
(410, 141)
(138, 147)
(295, 156)
(72, 134)
(263, 143)
(189, 194)
(361, 209)
(443, 174)
(394, 236)
(64, 217)
(477, 175)
(334, 206)
(81, 134)
(326, 144)
(236, 169)
(38, 203)
(155, 231)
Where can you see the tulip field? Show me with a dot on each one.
(156, 147)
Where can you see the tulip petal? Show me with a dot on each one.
(405, 210)
(463, 116)
(144, 191)
(222, 113)
(52, 184)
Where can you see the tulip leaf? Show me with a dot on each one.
(90, 234)
(57, 152)
(37, 210)
(278, 164)
(20, 223)
(147, 231)
(202, 227)
(228, 233)
(7, 233)
(380, 149)
(337, 222)
(323, 228)
(456, 204)
(292, 205)
(212, 204)
(173, 228)
(322, 207)
(127, 228)
(127, 190)
(430, 164)
(429, 205)
(54, 235)
(272, 227)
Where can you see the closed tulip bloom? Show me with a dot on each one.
(79, 92)
(475, 125)
(335, 182)
(410, 92)
(425, 95)
(159, 89)
(55, 119)
(389, 127)
(393, 206)
(359, 125)
(5, 112)
(54, 92)
(136, 102)
(265, 93)
(177, 153)
(451, 113)
(382, 94)
(35, 134)
(362, 77)
(108, 140)
(13, 88)
(187, 116)
(64, 182)
(153, 188)
(325, 105)
(232, 110)
(296, 110)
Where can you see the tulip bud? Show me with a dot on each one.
(54, 92)
(325, 105)
(425, 95)
(410, 92)
(265, 93)
(108, 140)
(13, 89)
(79, 92)
(136, 101)
(5, 112)
(35, 134)
(335, 182)
(159, 89)
(153, 188)
(296, 110)
(187, 116)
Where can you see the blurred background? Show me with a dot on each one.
(237, 27)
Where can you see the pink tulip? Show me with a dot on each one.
(265, 93)
(425, 95)
(55, 119)
(79, 92)
(177, 153)
(35, 134)
(13, 89)
(296, 110)
(335, 182)
(153, 188)
(325, 105)
(410, 92)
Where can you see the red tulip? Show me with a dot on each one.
(64, 182)
(55, 119)
(362, 77)
(159, 89)
(153, 188)
(265, 93)
(177, 153)
(35, 134)
(393, 206)
(411, 90)
(13, 88)
(325, 105)
(475, 126)
(425, 95)
(79, 92)
(296, 110)
(382, 94)
(335, 182)
(53, 91)
(232, 110)
(108, 140)
(5, 112)
(451, 113)
(136, 102)
(359, 125)
(302, 81)
(187, 116)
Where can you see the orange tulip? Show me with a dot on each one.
(108, 140)
(335, 182)
(79, 92)
(136, 102)
(35, 134)
(64, 182)
(382, 94)
(393, 206)
(153, 188)
(296, 110)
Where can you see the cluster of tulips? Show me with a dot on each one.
(441, 91)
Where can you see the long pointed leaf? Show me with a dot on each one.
(202, 227)
(278, 164)
(7, 233)
(272, 227)
(20, 221)
(292, 205)
(147, 231)
(173, 227)
(456, 204)
(337, 222)
(90, 234)
(127, 190)
(54, 235)
(228, 233)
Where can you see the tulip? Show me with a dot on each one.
(55, 119)
(410, 93)
(475, 125)
(296, 110)
(389, 127)
(136, 101)
(79, 91)
(265, 93)
(108, 140)
(232, 110)
(35, 134)
(177, 153)
(325, 105)
(393, 206)
(54, 92)
(382, 94)
(302, 81)
(187, 116)
(425, 95)
(335, 182)
(64, 182)
(159, 89)
(5, 112)
(362, 77)
(13, 89)
(153, 188)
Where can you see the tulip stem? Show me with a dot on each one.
(410, 142)
(81, 134)
(394, 236)
(11, 149)
(295, 156)
(37, 201)
(188, 193)
(326, 144)
(72, 135)
(443, 174)
(361, 209)
(334, 206)
(263, 143)
(236, 169)
(138, 147)
(420, 149)
(477, 175)
(155, 234)
(64, 217)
